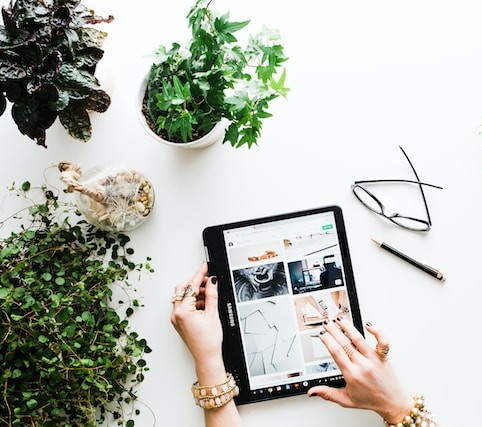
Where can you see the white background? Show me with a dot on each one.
(365, 77)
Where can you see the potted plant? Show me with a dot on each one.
(48, 57)
(188, 91)
(68, 355)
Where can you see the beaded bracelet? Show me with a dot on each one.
(210, 397)
(419, 416)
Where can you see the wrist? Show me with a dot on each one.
(417, 416)
(397, 410)
(210, 371)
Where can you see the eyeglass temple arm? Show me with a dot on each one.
(421, 188)
(372, 181)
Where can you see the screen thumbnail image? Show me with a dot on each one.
(315, 273)
(313, 308)
(307, 245)
(263, 252)
(260, 281)
(270, 337)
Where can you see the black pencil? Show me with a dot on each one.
(430, 270)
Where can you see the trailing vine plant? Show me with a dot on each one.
(68, 356)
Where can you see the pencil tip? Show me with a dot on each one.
(376, 242)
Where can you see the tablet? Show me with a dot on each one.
(279, 279)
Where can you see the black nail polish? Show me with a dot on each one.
(322, 332)
(325, 322)
(214, 280)
(368, 324)
(313, 395)
(339, 319)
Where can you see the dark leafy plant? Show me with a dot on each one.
(189, 91)
(68, 357)
(48, 57)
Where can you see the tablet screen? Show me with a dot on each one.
(280, 278)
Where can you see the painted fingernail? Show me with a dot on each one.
(325, 322)
(339, 319)
(368, 324)
(214, 280)
(322, 332)
(313, 395)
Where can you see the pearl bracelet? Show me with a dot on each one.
(419, 416)
(210, 397)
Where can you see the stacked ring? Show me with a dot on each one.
(187, 292)
(349, 349)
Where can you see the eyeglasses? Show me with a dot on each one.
(372, 202)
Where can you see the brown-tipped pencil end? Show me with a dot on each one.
(377, 242)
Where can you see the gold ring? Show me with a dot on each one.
(349, 349)
(189, 291)
(383, 352)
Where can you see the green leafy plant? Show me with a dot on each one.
(48, 57)
(68, 357)
(189, 90)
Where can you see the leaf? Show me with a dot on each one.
(16, 373)
(226, 28)
(60, 281)
(73, 78)
(33, 118)
(47, 276)
(11, 25)
(51, 65)
(238, 102)
(279, 86)
(4, 293)
(98, 101)
(10, 70)
(76, 120)
(182, 92)
(87, 317)
(32, 403)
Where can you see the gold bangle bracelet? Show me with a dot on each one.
(210, 397)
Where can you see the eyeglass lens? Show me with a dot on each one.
(368, 199)
(372, 203)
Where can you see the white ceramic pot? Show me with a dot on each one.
(216, 134)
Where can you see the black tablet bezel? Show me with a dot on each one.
(217, 259)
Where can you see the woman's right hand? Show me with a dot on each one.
(196, 319)
(371, 381)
